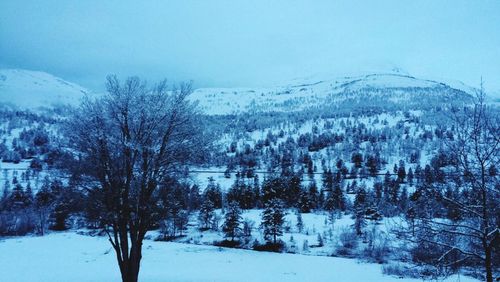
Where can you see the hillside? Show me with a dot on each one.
(34, 89)
(397, 90)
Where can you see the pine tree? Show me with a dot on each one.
(305, 246)
(28, 195)
(59, 216)
(232, 221)
(194, 198)
(18, 198)
(273, 218)
(401, 171)
(338, 197)
(372, 165)
(403, 199)
(378, 189)
(292, 191)
(300, 222)
(313, 195)
(410, 176)
(304, 202)
(321, 243)
(256, 191)
(213, 193)
(359, 210)
(5, 195)
(247, 227)
(206, 214)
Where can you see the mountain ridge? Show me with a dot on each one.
(35, 89)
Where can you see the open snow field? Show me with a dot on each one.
(68, 256)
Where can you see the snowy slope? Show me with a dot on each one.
(311, 93)
(33, 89)
(67, 256)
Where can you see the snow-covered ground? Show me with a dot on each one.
(32, 89)
(68, 256)
(305, 94)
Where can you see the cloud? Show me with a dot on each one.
(235, 43)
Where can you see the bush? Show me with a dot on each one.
(17, 223)
(378, 253)
(228, 243)
(377, 249)
(348, 242)
(405, 271)
(401, 271)
(277, 247)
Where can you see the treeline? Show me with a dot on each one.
(54, 206)
(57, 206)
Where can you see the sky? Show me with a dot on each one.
(251, 43)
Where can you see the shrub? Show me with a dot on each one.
(348, 242)
(277, 247)
(228, 243)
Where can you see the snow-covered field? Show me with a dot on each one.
(68, 256)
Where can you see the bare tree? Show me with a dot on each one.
(474, 235)
(133, 139)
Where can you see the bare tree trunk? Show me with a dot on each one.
(487, 263)
(130, 268)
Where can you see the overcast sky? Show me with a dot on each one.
(251, 43)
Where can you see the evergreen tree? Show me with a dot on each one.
(18, 197)
(273, 218)
(401, 171)
(338, 197)
(213, 193)
(256, 191)
(247, 227)
(304, 202)
(292, 191)
(273, 188)
(206, 214)
(5, 196)
(28, 194)
(300, 222)
(357, 159)
(44, 200)
(310, 169)
(410, 176)
(372, 165)
(59, 216)
(313, 195)
(378, 189)
(403, 200)
(321, 243)
(194, 200)
(232, 221)
(359, 210)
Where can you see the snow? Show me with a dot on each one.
(33, 89)
(308, 93)
(68, 256)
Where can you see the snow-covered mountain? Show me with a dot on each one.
(364, 90)
(33, 89)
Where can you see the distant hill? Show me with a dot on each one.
(392, 89)
(34, 89)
